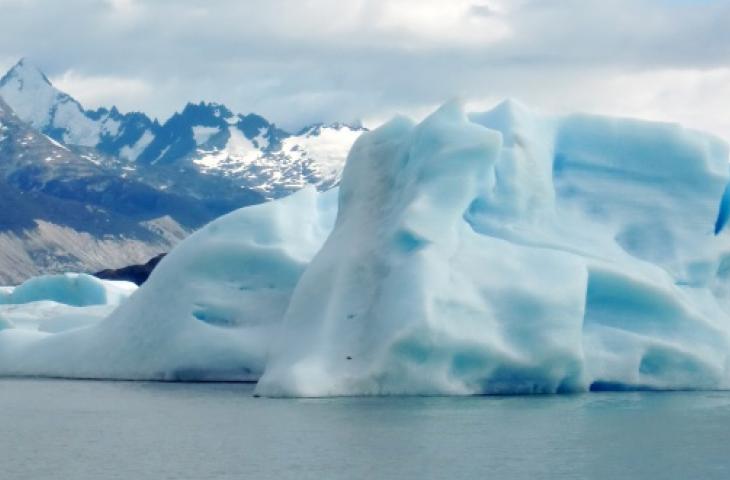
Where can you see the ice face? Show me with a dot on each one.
(405, 298)
(501, 252)
(581, 253)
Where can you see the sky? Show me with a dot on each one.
(303, 61)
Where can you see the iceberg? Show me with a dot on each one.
(503, 252)
(59, 303)
(509, 252)
(76, 289)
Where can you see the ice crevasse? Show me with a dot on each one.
(502, 252)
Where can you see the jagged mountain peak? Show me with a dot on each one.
(34, 98)
(25, 72)
(205, 141)
(36, 101)
(203, 109)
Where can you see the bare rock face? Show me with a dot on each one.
(133, 273)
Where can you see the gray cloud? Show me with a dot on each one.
(302, 61)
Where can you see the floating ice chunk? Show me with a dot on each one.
(75, 289)
(581, 254)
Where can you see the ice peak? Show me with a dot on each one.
(509, 110)
(454, 108)
(506, 117)
(26, 73)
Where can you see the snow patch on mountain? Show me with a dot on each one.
(132, 152)
(238, 153)
(202, 134)
(323, 148)
(315, 156)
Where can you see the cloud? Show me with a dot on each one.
(104, 90)
(6, 62)
(300, 61)
(424, 24)
(696, 98)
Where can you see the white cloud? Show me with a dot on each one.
(430, 23)
(126, 7)
(6, 62)
(697, 98)
(303, 61)
(97, 91)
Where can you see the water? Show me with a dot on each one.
(72, 430)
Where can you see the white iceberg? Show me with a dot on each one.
(503, 252)
(577, 253)
(56, 303)
(76, 289)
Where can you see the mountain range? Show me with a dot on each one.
(85, 190)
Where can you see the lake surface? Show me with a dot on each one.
(70, 430)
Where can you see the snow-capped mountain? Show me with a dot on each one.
(276, 164)
(91, 189)
(35, 100)
(33, 161)
(65, 211)
(205, 144)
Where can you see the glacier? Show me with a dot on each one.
(503, 252)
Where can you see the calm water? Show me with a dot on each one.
(105, 430)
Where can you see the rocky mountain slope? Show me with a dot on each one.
(62, 212)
